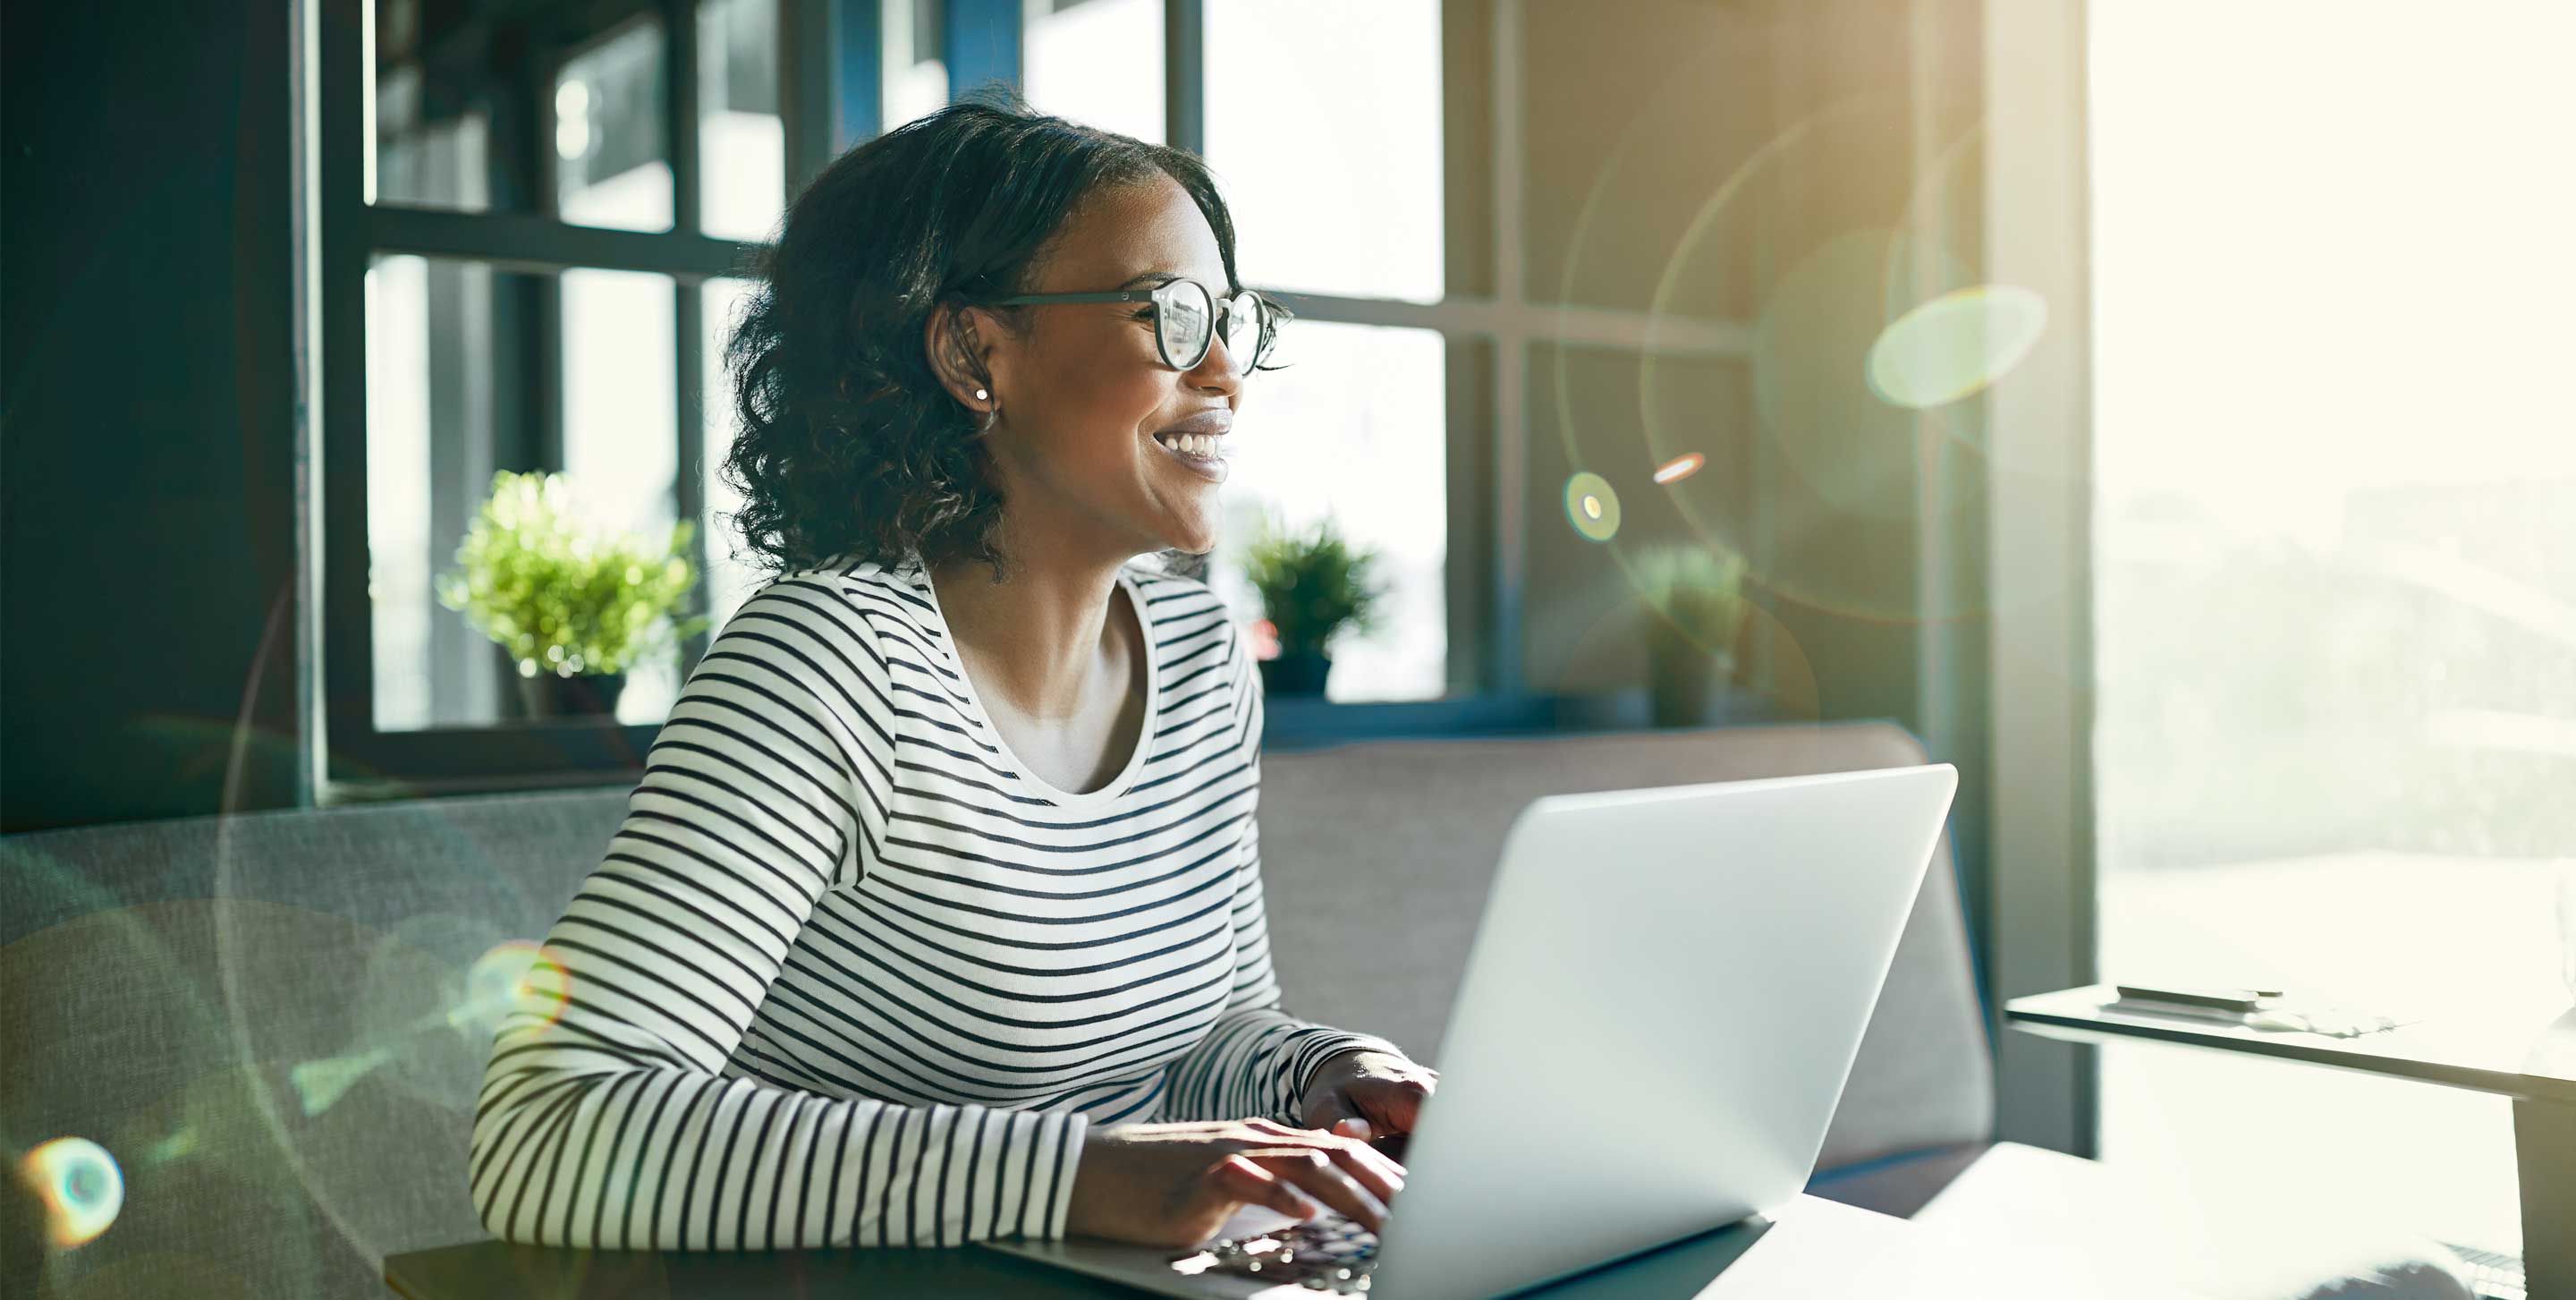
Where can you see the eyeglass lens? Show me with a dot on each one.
(1182, 315)
(1185, 318)
(1244, 332)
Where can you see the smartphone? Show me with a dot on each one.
(2214, 997)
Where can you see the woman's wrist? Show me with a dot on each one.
(1341, 1058)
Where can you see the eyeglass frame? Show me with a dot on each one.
(1269, 316)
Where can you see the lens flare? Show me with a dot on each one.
(1591, 506)
(1680, 467)
(80, 1185)
(513, 972)
(320, 1083)
(172, 1147)
(1955, 345)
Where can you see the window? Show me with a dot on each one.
(1328, 142)
(1356, 428)
(742, 135)
(532, 225)
(612, 153)
(1099, 62)
(1352, 427)
(529, 217)
(2335, 578)
(914, 33)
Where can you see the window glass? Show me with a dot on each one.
(428, 135)
(1352, 429)
(729, 580)
(621, 430)
(398, 541)
(1099, 62)
(473, 108)
(612, 164)
(449, 401)
(742, 147)
(2334, 573)
(422, 157)
(1323, 127)
(436, 428)
(916, 68)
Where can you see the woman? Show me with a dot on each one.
(937, 914)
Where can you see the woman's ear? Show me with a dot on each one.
(961, 358)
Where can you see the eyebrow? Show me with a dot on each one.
(1143, 278)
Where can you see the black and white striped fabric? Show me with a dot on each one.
(851, 974)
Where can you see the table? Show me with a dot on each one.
(2528, 1057)
(1812, 1248)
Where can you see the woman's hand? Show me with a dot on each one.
(1175, 1184)
(1383, 1092)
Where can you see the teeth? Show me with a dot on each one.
(1196, 444)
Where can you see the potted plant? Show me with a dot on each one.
(573, 604)
(1694, 606)
(1312, 583)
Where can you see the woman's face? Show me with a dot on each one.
(1084, 390)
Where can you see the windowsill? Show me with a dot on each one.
(1291, 724)
(336, 793)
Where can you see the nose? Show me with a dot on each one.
(1216, 371)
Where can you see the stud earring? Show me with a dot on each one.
(980, 394)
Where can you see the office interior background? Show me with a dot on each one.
(2156, 408)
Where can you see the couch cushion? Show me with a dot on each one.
(257, 1017)
(1376, 858)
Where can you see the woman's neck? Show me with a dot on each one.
(1042, 642)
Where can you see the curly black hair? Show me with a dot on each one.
(848, 445)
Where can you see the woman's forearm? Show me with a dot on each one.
(669, 1159)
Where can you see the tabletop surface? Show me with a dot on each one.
(1811, 1248)
(2525, 1050)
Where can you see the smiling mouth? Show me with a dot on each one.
(1206, 446)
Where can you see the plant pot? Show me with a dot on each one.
(1684, 684)
(587, 695)
(1295, 672)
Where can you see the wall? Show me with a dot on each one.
(147, 539)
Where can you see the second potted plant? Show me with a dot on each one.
(1312, 584)
(1694, 606)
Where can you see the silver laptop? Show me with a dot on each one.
(1659, 1012)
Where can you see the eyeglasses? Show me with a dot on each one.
(1185, 315)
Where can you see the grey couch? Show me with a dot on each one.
(257, 1015)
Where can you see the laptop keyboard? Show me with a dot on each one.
(1326, 1253)
(2492, 1274)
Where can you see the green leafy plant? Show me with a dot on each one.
(561, 595)
(1693, 593)
(1312, 583)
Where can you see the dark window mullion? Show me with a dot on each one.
(680, 110)
(518, 241)
(541, 356)
(807, 104)
(680, 58)
(348, 631)
(1185, 75)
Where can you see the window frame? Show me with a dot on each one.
(351, 757)
(831, 89)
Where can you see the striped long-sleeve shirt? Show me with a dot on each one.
(851, 975)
